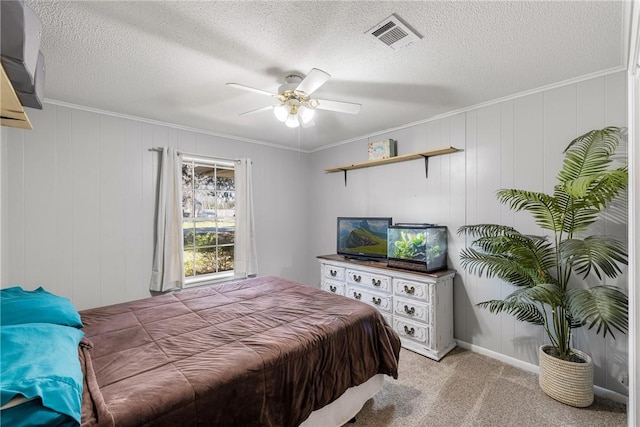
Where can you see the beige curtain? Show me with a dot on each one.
(245, 257)
(168, 267)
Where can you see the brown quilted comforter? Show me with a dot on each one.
(259, 352)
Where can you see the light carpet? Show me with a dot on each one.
(468, 389)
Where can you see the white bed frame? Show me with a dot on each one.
(347, 406)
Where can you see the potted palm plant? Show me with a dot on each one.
(548, 272)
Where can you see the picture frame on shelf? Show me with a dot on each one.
(384, 149)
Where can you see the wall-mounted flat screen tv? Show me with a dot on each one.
(363, 237)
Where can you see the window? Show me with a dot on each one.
(208, 218)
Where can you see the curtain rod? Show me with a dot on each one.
(159, 149)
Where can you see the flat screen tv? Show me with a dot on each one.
(363, 238)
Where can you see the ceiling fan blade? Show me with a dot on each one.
(339, 106)
(251, 89)
(313, 81)
(257, 110)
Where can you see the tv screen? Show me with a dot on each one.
(363, 237)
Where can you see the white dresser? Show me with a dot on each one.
(419, 306)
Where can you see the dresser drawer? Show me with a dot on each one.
(413, 331)
(333, 272)
(412, 289)
(332, 286)
(380, 301)
(411, 309)
(371, 280)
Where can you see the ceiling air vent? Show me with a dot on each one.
(394, 33)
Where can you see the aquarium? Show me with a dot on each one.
(418, 247)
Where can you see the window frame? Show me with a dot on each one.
(196, 280)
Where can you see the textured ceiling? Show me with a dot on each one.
(169, 61)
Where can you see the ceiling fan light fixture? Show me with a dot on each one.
(281, 112)
(306, 114)
(292, 121)
(296, 107)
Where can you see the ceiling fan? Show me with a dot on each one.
(296, 105)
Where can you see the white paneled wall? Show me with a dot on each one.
(78, 195)
(516, 143)
(78, 203)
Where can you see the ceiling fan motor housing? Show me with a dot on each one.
(291, 83)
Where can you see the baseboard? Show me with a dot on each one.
(598, 391)
(610, 394)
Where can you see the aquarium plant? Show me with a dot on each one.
(410, 246)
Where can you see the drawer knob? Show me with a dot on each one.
(376, 301)
(408, 331)
(357, 295)
(333, 273)
(332, 288)
(408, 310)
(357, 278)
(409, 290)
(375, 282)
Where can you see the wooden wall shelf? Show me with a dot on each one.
(421, 155)
(13, 114)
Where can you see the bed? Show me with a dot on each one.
(258, 352)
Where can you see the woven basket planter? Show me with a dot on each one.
(568, 382)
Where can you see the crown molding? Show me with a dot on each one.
(477, 106)
(170, 125)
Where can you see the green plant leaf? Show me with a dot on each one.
(503, 267)
(594, 253)
(585, 184)
(503, 252)
(581, 200)
(543, 207)
(606, 186)
(486, 230)
(578, 188)
(545, 293)
(603, 306)
(600, 188)
(589, 154)
(525, 312)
